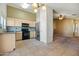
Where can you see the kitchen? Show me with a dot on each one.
(11, 21)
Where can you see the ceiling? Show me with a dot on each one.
(68, 9)
(18, 5)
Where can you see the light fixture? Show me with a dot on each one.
(61, 17)
(25, 5)
(35, 10)
(35, 6)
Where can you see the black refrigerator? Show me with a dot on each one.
(25, 31)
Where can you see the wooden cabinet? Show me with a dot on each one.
(7, 42)
(18, 36)
(18, 22)
(13, 22)
(32, 24)
(10, 22)
(24, 21)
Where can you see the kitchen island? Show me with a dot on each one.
(7, 42)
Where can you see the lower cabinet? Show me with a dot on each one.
(18, 36)
(7, 42)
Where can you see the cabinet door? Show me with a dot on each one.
(25, 21)
(9, 44)
(18, 35)
(10, 22)
(17, 22)
(32, 24)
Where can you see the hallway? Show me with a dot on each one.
(60, 47)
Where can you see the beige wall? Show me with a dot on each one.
(17, 13)
(68, 27)
(64, 27)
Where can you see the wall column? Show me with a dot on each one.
(45, 19)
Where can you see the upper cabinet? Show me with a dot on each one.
(32, 24)
(13, 21)
(18, 22)
(10, 22)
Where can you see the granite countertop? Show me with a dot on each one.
(8, 32)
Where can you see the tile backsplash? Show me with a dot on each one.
(13, 28)
(18, 28)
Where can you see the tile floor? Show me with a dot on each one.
(61, 46)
